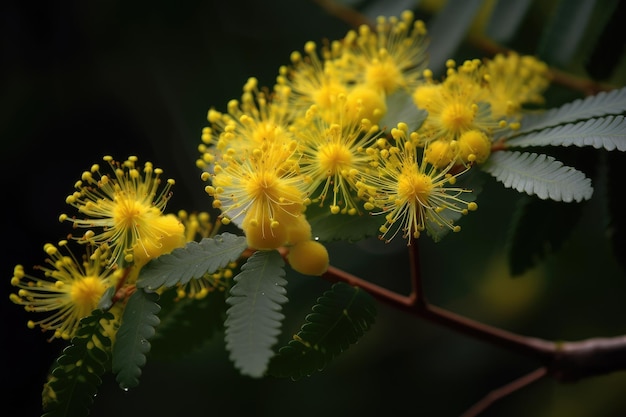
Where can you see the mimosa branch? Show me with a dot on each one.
(564, 361)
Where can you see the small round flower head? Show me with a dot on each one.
(120, 209)
(513, 81)
(251, 122)
(69, 290)
(390, 58)
(171, 236)
(312, 79)
(456, 105)
(333, 155)
(412, 194)
(260, 190)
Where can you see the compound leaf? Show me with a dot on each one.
(601, 104)
(76, 374)
(605, 132)
(191, 261)
(339, 319)
(254, 317)
(132, 341)
(540, 175)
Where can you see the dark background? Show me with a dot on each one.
(81, 80)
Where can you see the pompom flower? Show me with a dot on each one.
(412, 195)
(333, 155)
(390, 58)
(121, 209)
(513, 81)
(69, 290)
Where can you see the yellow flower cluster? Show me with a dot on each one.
(122, 212)
(315, 136)
(474, 102)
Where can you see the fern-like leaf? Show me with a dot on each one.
(339, 319)
(132, 340)
(76, 374)
(601, 104)
(605, 132)
(191, 261)
(254, 317)
(539, 174)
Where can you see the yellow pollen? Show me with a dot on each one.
(334, 157)
(86, 293)
(414, 186)
(457, 117)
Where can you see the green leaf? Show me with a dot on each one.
(565, 31)
(192, 261)
(402, 108)
(131, 343)
(601, 104)
(506, 18)
(539, 228)
(539, 174)
(605, 132)
(327, 227)
(76, 374)
(339, 319)
(448, 28)
(254, 318)
(187, 324)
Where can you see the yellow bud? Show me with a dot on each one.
(439, 153)
(474, 145)
(309, 257)
(171, 236)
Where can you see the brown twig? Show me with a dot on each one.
(563, 361)
(504, 391)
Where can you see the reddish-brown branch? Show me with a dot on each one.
(504, 391)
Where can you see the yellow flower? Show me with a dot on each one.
(69, 290)
(260, 190)
(333, 155)
(123, 206)
(514, 81)
(390, 58)
(456, 105)
(412, 194)
(254, 121)
(311, 79)
(171, 236)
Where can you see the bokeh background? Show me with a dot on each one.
(81, 80)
